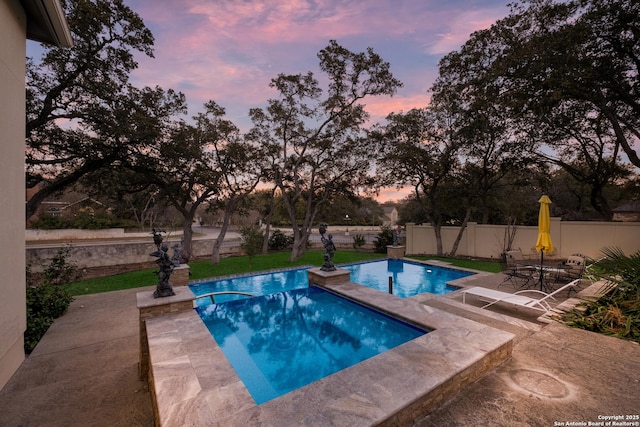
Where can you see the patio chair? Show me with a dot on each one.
(571, 269)
(519, 298)
(518, 273)
(517, 256)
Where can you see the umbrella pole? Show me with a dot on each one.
(541, 268)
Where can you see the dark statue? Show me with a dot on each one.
(166, 265)
(177, 253)
(329, 247)
(396, 235)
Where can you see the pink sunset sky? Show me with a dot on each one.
(229, 50)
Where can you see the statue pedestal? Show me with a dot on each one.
(180, 276)
(324, 278)
(395, 252)
(148, 307)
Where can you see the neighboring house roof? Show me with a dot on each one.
(46, 22)
(633, 206)
(388, 209)
(86, 199)
(70, 198)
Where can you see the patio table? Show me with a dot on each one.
(547, 270)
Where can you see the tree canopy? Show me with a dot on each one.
(82, 114)
(315, 137)
(546, 100)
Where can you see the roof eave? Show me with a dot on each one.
(46, 22)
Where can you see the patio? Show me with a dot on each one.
(84, 372)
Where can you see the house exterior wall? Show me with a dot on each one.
(47, 23)
(569, 237)
(12, 190)
(391, 217)
(626, 216)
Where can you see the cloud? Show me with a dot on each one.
(229, 50)
(393, 194)
(460, 26)
(381, 107)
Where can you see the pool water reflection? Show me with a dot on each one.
(409, 278)
(283, 341)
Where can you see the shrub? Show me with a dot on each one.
(48, 222)
(95, 221)
(60, 271)
(618, 312)
(48, 300)
(252, 238)
(45, 303)
(384, 239)
(358, 241)
(280, 241)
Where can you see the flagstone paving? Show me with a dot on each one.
(84, 373)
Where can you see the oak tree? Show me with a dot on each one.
(315, 137)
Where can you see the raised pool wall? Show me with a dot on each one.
(192, 383)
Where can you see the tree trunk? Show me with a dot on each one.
(437, 230)
(268, 219)
(463, 226)
(301, 236)
(187, 240)
(300, 233)
(226, 221)
(215, 252)
(265, 241)
(299, 245)
(485, 215)
(600, 204)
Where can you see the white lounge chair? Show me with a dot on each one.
(518, 298)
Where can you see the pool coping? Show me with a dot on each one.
(253, 273)
(456, 283)
(192, 383)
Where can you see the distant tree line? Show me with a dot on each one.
(544, 101)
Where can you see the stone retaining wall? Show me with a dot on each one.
(110, 255)
(76, 234)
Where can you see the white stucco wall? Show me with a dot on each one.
(12, 188)
(569, 237)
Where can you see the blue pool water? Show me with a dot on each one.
(408, 279)
(259, 284)
(286, 340)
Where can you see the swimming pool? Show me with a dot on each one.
(283, 341)
(256, 284)
(409, 279)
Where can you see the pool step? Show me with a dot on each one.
(519, 327)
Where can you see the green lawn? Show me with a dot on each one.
(239, 265)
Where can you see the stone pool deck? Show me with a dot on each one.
(84, 373)
(193, 383)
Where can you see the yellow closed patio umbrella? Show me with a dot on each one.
(544, 243)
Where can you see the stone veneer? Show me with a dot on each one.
(150, 307)
(318, 277)
(396, 252)
(192, 383)
(180, 275)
